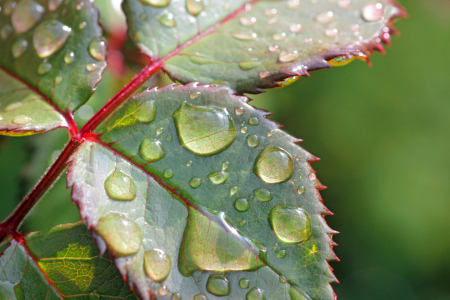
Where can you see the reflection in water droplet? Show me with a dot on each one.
(248, 64)
(270, 12)
(157, 3)
(22, 120)
(151, 150)
(44, 67)
(295, 28)
(373, 12)
(195, 182)
(218, 177)
(6, 31)
(168, 173)
(244, 129)
(176, 296)
(238, 111)
(49, 37)
(288, 56)
(13, 106)
(146, 112)
(233, 190)
(280, 253)
(19, 47)
(97, 48)
(69, 57)
(254, 121)
(157, 265)
(290, 224)
(26, 14)
(301, 190)
(253, 140)
(312, 176)
(120, 186)
(241, 204)
(243, 36)
(167, 20)
(204, 130)
(218, 285)
(244, 283)
(91, 67)
(194, 6)
(122, 236)
(325, 17)
(274, 165)
(200, 297)
(256, 294)
(189, 163)
(263, 194)
(54, 4)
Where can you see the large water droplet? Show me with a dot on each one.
(22, 120)
(122, 235)
(168, 173)
(195, 182)
(204, 130)
(19, 47)
(241, 204)
(253, 140)
(97, 48)
(194, 6)
(244, 283)
(49, 37)
(248, 64)
(151, 150)
(44, 67)
(218, 285)
(167, 19)
(6, 31)
(256, 294)
(54, 4)
(200, 297)
(263, 194)
(120, 187)
(69, 57)
(373, 12)
(288, 56)
(290, 224)
(146, 112)
(157, 265)
(157, 3)
(274, 165)
(26, 14)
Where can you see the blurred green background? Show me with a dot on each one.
(383, 134)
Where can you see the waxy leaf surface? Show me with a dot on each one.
(196, 194)
(251, 45)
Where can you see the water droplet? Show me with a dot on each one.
(151, 150)
(288, 56)
(264, 74)
(200, 297)
(176, 296)
(195, 182)
(253, 140)
(26, 14)
(204, 130)
(242, 223)
(241, 204)
(167, 20)
(238, 111)
(218, 285)
(6, 31)
(263, 194)
(168, 173)
(13, 106)
(244, 283)
(194, 6)
(290, 224)
(301, 190)
(157, 265)
(44, 67)
(274, 165)
(293, 4)
(143, 16)
(247, 21)
(344, 3)
(97, 48)
(273, 48)
(295, 28)
(22, 120)
(49, 37)
(269, 133)
(312, 176)
(243, 36)
(58, 79)
(256, 294)
(169, 138)
(19, 47)
(325, 17)
(120, 187)
(159, 131)
(82, 25)
(331, 32)
(194, 95)
(69, 57)
(270, 12)
(288, 81)
(233, 190)
(189, 163)
(157, 3)
(218, 177)
(244, 129)
(373, 12)
(254, 121)
(54, 4)
(91, 67)
(280, 253)
(279, 36)
(122, 235)
(163, 291)
(146, 112)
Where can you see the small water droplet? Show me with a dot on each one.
(274, 165)
(279, 36)
(194, 95)
(373, 12)
(97, 48)
(254, 121)
(269, 133)
(82, 25)
(91, 67)
(247, 21)
(200, 297)
(233, 190)
(264, 74)
(157, 3)
(167, 19)
(58, 79)
(238, 111)
(344, 3)
(151, 150)
(241, 204)
(22, 120)
(288, 56)
(263, 194)
(225, 165)
(146, 113)
(256, 294)
(218, 285)
(169, 138)
(295, 28)
(120, 187)
(6, 31)
(244, 129)
(13, 106)
(331, 32)
(272, 21)
(79, 5)
(253, 140)
(288, 81)
(176, 296)
(195, 182)
(159, 131)
(194, 6)
(290, 224)
(157, 265)
(248, 64)
(273, 48)
(243, 36)
(218, 177)
(26, 14)
(44, 67)
(54, 4)
(69, 57)
(163, 291)
(244, 283)
(49, 37)
(325, 17)
(168, 173)
(312, 176)
(189, 163)
(293, 4)
(19, 47)
(270, 12)
(242, 223)
(301, 190)
(280, 253)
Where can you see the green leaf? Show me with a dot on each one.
(188, 184)
(51, 59)
(60, 263)
(261, 44)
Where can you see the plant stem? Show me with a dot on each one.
(15, 219)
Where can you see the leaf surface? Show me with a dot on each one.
(261, 43)
(195, 192)
(60, 263)
(51, 59)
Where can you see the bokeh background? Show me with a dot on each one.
(383, 134)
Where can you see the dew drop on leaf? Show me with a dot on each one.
(157, 3)
(69, 57)
(247, 21)
(248, 64)
(159, 131)
(243, 223)
(301, 190)
(163, 291)
(288, 81)
(253, 140)
(6, 31)
(288, 56)
(279, 36)
(218, 285)
(204, 130)
(82, 25)
(120, 187)
(54, 4)
(122, 235)
(241, 204)
(167, 19)
(280, 253)
(26, 14)
(290, 224)
(344, 3)
(194, 6)
(79, 5)
(273, 48)
(21, 120)
(341, 60)
(176, 296)
(331, 32)
(243, 36)
(218, 177)
(151, 150)
(256, 294)
(254, 121)
(295, 28)
(168, 173)
(49, 37)
(91, 67)
(263, 194)
(195, 182)
(146, 113)
(189, 163)
(244, 129)
(194, 95)
(312, 176)
(19, 47)
(97, 48)
(325, 17)
(225, 165)
(238, 111)
(157, 265)
(169, 138)
(12, 106)
(373, 12)
(293, 4)
(44, 67)
(233, 190)
(244, 283)
(200, 297)
(274, 165)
